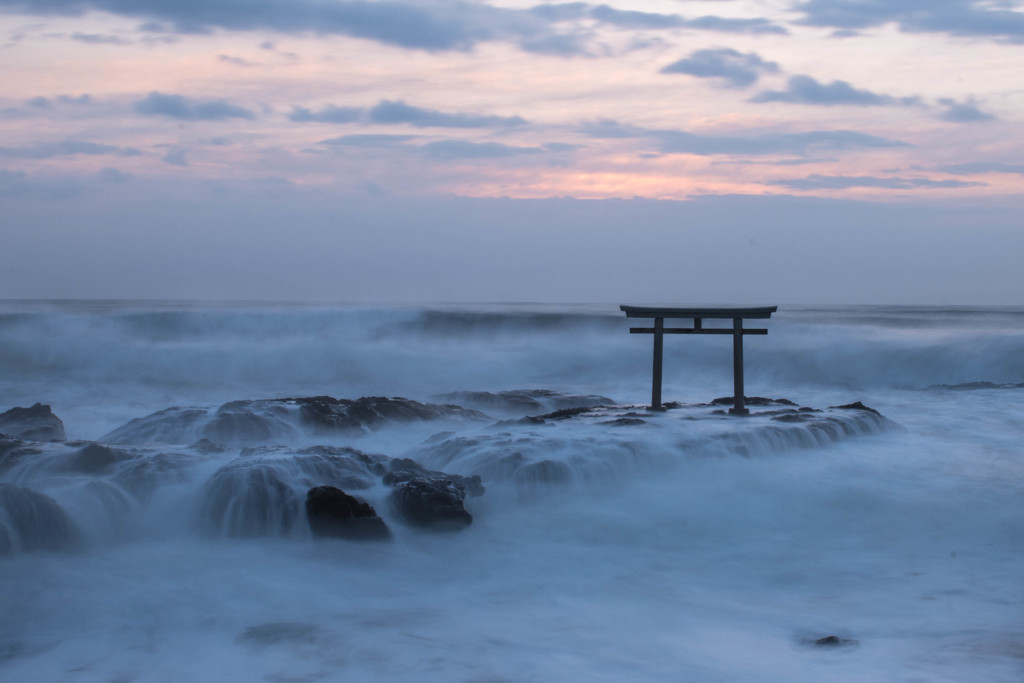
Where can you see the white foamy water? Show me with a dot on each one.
(689, 547)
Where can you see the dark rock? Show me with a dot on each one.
(248, 500)
(856, 406)
(432, 505)
(93, 459)
(566, 413)
(402, 470)
(14, 451)
(544, 472)
(834, 641)
(171, 425)
(323, 413)
(34, 521)
(524, 400)
(144, 474)
(528, 420)
(206, 447)
(37, 423)
(332, 513)
(791, 417)
(280, 419)
(753, 401)
(249, 422)
(625, 422)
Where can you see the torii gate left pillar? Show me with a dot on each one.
(737, 315)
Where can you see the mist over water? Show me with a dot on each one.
(689, 547)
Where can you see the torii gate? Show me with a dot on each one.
(697, 315)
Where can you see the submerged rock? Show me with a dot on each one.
(33, 521)
(281, 419)
(94, 458)
(433, 505)
(524, 400)
(323, 413)
(402, 470)
(834, 641)
(245, 502)
(332, 513)
(37, 423)
(13, 452)
(856, 406)
(752, 401)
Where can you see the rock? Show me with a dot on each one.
(753, 401)
(625, 422)
(171, 425)
(245, 500)
(402, 470)
(93, 459)
(13, 452)
(206, 447)
(435, 505)
(834, 641)
(326, 414)
(332, 513)
(34, 521)
(524, 400)
(37, 423)
(856, 406)
(281, 419)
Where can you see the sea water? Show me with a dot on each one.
(665, 555)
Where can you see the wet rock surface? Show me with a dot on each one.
(524, 400)
(94, 458)
(283, 419)
(332, 513)
(33, 521)
(435, 505)
(37, 423)
(834, 641)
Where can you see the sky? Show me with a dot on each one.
(726, 151)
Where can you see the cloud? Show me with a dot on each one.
(823, 182)
(711, 23)
(80, 100)
(463, 149)
(632, 19)
(176, 157)
(39, 102)
(187, 109)
(735, 68)
(806, 90)
(328, 114)
(399, 112)
(403, 23)
(98, 39)
(372, 140)
(234, 61)
(974, 167)
(982, 18)
(684, 142)
(113, 176)
(565, 11)
(963, 112)
(50, 150)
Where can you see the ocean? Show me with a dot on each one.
(815, 540)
